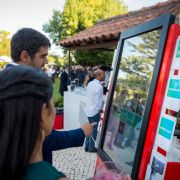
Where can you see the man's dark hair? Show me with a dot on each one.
(105, 68)
(29, 40)
(23, 91)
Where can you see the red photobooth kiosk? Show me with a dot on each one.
(141, 126)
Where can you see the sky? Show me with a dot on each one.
(138, 4)
(15, 14)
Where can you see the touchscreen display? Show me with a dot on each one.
(130, 96)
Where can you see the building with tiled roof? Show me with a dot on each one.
(106, 33)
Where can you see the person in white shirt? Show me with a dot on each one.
(94, 106)
(50, 73)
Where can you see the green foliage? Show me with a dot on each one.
(2, 64)
(92, 57)
(56, 59)
(4, 43)
(55, 26)
(82, 14)
(144, 55)
(58, 100)
(79, 15)
(138, 62)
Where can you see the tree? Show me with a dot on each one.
(55, 26)
(138, 60)
(142, 54)
(56, 59)
(79, 15)
(93, 57)
(82, 14)
(4, 43)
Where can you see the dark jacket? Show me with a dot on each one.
(60, 140)
(63, 82)
(9, 65)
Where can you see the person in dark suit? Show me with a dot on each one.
(63, 81)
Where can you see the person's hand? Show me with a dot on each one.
(88, 128)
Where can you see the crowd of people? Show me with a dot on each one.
(76, 74)
(123, 104)
(92, 79)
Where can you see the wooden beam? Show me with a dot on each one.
(104, 49)
(100, 45)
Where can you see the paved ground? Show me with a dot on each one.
(75, 163)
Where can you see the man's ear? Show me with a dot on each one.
(25, 58)
(44, 115)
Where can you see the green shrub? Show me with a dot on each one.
(58, 99)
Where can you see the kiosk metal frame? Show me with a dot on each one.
(163, 22)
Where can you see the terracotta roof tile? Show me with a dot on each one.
(110, 28)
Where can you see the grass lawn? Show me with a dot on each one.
(58, 99)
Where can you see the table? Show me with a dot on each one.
(74, 108)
